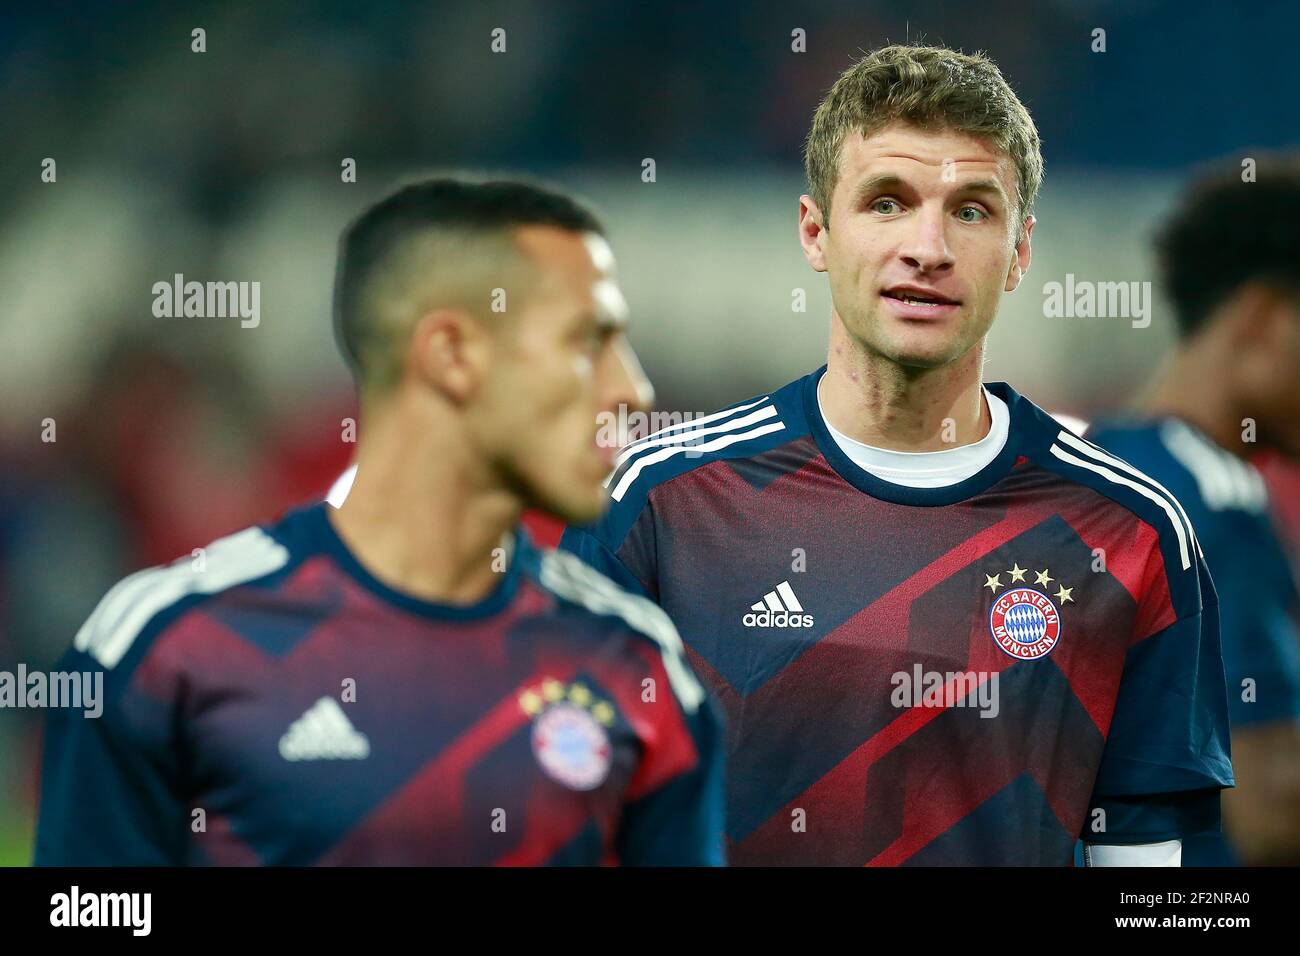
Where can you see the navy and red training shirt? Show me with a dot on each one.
(1234, 516)
(270, 702)
(973, 674)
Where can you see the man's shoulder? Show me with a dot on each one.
(1225, 497)
(1129, 490)
(1059, 446)
(745, 429)
(137, 610)
(586, 591)
(1204, 476)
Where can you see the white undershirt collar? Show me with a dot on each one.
(927, 469)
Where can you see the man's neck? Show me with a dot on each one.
(422, 516)
(878, 402)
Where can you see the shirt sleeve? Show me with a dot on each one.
(680, 821)
(1167, 749)
(1260, 643)
(621, 547)
(109, 793)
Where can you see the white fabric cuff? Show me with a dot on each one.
(1168, 853)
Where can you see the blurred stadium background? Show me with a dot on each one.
(225, 165)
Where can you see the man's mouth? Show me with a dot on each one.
(917, 303)
(919, 297)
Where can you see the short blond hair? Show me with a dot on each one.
(932, 88)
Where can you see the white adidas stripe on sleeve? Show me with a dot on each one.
(752, 419)
(1223, 480)
(1143, 490)
(124, 611)
(663, 454)
(695, 423)
(1100, 454)
(569, 577)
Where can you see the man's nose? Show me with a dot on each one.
(926, 245)
(623, 381)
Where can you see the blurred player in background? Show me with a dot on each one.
(1230, 262)
(885, 570)
(407, 680)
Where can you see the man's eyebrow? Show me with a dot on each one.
(988, 186)
(879, 183)
(885, 182)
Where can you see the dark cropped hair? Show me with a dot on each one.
(1226, 232)
(454, 206)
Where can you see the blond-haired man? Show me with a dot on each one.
(944, 629)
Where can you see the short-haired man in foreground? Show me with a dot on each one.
(892, 576)
(1230, 263)
(407, 680)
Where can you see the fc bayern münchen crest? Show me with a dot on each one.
(571, 746)
(1025, 623)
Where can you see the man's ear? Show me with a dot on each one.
(812, 233)
(450, 352)
(1020, 260)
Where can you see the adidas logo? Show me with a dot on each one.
(779, 608)
(324, 733)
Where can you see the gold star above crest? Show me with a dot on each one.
(992, 582)
(1043, 577)
(1017, 573)
(534, 700)
(1064, 593)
